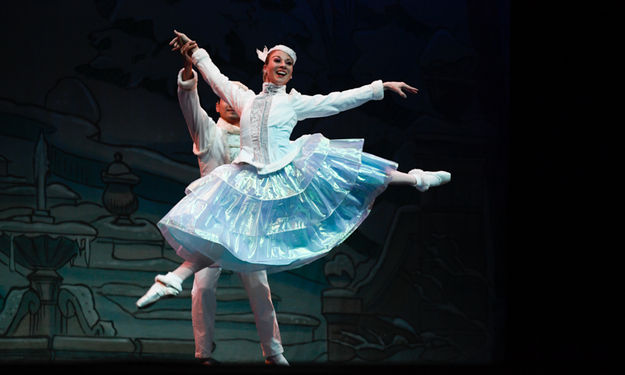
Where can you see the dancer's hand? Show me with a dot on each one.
(180, 40)
(399, 87)
(187, 50)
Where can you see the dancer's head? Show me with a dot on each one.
(226, 112)
(278, 64)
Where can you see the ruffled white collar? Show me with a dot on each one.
(272, 88)
(225, 125)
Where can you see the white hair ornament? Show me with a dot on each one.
(262, 55)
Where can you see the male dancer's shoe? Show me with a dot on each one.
(164, 285)
(277, 360)
(426, 180)
(208, 361)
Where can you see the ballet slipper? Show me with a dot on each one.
(426, 180)
(164, 286)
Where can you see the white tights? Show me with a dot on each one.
(187, 268)
(401, 178)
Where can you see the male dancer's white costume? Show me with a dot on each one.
(216, 144)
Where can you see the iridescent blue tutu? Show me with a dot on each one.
(282, 220)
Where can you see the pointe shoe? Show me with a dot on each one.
(277, 360)
(425, 179)
(164, 285)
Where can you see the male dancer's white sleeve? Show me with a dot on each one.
(208, 144)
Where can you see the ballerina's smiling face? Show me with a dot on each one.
(278, 68)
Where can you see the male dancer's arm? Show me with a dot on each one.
(232, 93)
(202, 128)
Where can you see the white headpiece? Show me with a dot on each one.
(262, 55)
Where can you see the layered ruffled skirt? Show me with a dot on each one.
(245, 222)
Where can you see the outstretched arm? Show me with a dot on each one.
(220, 84)
(326, 105)
(201, 126)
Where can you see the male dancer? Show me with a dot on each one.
(215, 144)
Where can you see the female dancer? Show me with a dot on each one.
(281, 204)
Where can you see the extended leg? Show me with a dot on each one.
(420, 179)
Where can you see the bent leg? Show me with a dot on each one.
(188, 268)
(171, 283)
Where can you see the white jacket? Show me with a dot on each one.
(267, 119)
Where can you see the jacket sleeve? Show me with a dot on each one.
(307, 106)
(221, 85)
(202, 128)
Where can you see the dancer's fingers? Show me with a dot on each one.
(397, 89)
(409, 88)
(188, 45)
(182, 37)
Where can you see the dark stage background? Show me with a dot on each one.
(563, 231)
(475, 272)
